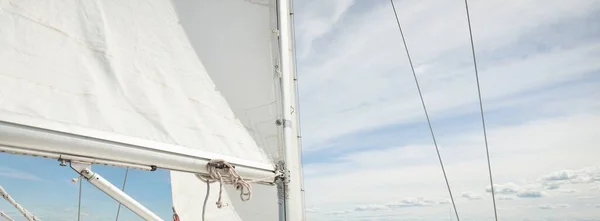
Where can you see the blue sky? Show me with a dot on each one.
(367, 150)
(45, 188)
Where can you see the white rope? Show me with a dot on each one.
(230, 176)
(3, 215)
(27, 214)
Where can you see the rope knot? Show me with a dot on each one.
(223, 172)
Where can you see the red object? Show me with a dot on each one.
(175, 216)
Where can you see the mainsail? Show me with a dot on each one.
(118, 82)
(237, 43)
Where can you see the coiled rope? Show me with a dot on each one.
(223, 172)
(230, 176)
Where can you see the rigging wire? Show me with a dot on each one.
(425, 110)
(122, 189)
(487, 151)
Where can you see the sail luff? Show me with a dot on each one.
(293, 197)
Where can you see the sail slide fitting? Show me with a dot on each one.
(283, 179)
(284, 123)
(284, 174)
(84, 169)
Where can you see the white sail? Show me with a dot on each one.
(236, 42)
(112, 67)
(169, 77)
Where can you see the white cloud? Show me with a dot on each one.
(568, 191)
(508, 188)
(530, 194)
(502, 197)
(556, 206)
(443, 202)
(412, 202)
(471, 196)
(371, 208)
(551, 186)
(586, 175)
(16, 174)
(318, 21)
(560, 175)
(342, 212)
(383, 175)
(312, 210)
(363, 125)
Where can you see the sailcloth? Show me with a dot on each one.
(236, 42)
(127, 69)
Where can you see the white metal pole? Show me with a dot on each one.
(28, 215)
(6, 217)
(105, 148)
(120, 196)
(293, 197)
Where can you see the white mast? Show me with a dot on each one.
(293, 197)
